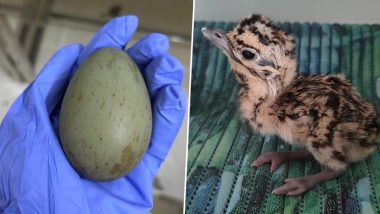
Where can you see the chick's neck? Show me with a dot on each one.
(258, 93)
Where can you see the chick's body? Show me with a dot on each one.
(323, 113)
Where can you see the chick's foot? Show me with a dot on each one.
(277, 158)
(298, 186)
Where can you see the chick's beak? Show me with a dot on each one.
(219, 39)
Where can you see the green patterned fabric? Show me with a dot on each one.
(221, 148)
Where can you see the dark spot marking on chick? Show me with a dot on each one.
(245, 86)
(333, 101)
(319, 144)
(240, 31)
(291, 53)
(281, 118)
(264, 21)
(253, 29)
(297, 83)
(242, 43)
(337, 81)
(266, 73)
(253, 72)
(372, 123)
(351, 136)
(338, 156)
(242, 93)
(346, 113)
(293, 116)
(264, 39)
(314, 114)
(257, 105)
(250, 20)
(274, 42)
(306, 82)
(269, 25)
(316, 144)
(278, 36)
(259, 125)
(365, 143)
(349, 97)
(242, 77)
(331, 131)
(286, 97)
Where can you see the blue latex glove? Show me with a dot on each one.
(36, 177)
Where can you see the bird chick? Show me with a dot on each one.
(323, 113)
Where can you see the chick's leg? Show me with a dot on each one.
(298, 186)
(277, 158)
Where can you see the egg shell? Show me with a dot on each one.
(105, 121)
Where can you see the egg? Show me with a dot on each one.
(105, 121)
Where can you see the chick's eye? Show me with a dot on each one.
(249, 55)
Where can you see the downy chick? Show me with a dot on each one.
(323, 113)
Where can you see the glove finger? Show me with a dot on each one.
(115, 34)
(162, 71)
(148, 48)
(168, 112)
(52, 81)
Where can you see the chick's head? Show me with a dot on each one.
(258, 51)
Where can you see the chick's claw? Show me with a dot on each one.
(295, 186)
(275, 158)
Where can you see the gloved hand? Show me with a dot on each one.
(35, 175)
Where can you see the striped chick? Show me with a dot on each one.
(322, 113)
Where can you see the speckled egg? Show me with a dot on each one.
(106, 118)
